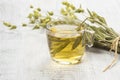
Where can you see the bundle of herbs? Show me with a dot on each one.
(104, 37)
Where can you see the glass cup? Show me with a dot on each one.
(66, 44)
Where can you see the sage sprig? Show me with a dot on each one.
(77, 42)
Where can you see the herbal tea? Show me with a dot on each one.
(65, 44)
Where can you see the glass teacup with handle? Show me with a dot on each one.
(66, 44)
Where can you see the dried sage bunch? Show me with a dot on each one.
(105, 37)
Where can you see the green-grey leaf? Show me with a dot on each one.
(36, 27)
(24, 25)
(7, 24)
(91, 15)
(76, 43)
(31, 6)
(101, 19)
(83, 40)
(13, 27)
(60, 47)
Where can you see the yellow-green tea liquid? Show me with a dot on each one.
(67, 55)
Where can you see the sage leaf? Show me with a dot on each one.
(90, 13)
(77, 42)
(101, 19)
(13, 27)
(61, 47)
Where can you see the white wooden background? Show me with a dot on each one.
(24, 53)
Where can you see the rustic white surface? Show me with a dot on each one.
(24, 53)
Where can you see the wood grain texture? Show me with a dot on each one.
(24, 53)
